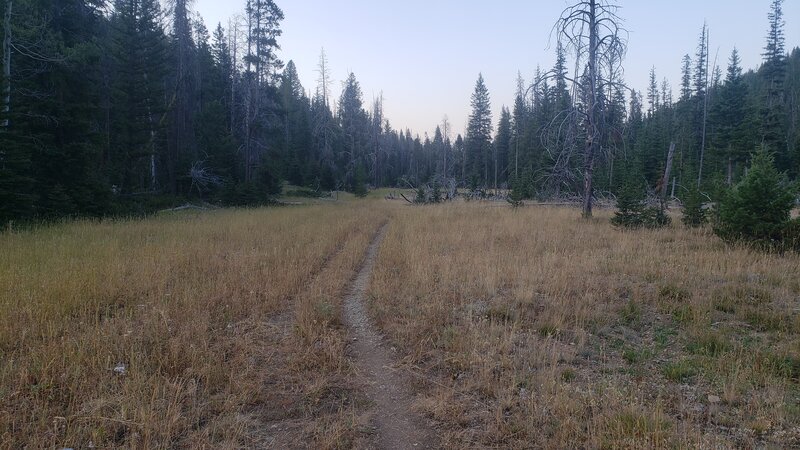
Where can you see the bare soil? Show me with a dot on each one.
(396, 424)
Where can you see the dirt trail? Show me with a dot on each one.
(398, 427)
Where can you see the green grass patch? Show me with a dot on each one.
(637, 356)
(680, 371)
(663, 335)
(708, 343)
(631, 313)
(683, 314)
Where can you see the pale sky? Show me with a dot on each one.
(425, 56)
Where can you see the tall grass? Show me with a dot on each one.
(180, 305)
(536, 328)
(526, 328)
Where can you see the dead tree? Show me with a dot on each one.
(592, 30)
(6, 64)
(664, 185)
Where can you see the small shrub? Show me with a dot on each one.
(630, 207)
(694, 216)
(516, 198)
(758, 209)
(654, 217)
(632, 211)
(568, 375)
(421, 197)
(436, 193)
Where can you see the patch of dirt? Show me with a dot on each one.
(396, 424)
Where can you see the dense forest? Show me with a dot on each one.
(126, 106)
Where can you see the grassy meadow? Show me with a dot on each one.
(533, 328)
(516, 329)
(186, 308)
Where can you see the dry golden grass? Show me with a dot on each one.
(533, 328)
(194, 307)
(527, 328)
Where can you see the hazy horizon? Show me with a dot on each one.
(425, 57)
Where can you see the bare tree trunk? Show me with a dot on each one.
(494, 155)
(705, 116)
(588, 168)
(446, 135)
(7, 63)
(516, 158)
(151, 123)
(730, 171)
(233, 46)
(667, 172)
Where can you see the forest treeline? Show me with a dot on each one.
(124, 106)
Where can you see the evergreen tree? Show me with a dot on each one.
(502, 146)
(686, 77)
(478, 144)
(700, 78)
(653, 99)
(694, 215)
(759, 207)
(732, 119)
(354, 124)
(773, 110)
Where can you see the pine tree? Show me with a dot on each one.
(686, 77)
(502, 146)
(732, 118)
(700, 78)
(630, 205)
(694, 216)
(296, 132)
(773, 72)
(759, 207)
(653, 94)
(478, 144)
(519, 123)
(355, 126)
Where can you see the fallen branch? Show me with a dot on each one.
(185, 207)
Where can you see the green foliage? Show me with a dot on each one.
(694, 214)
(680, 371)
(114, 103)
(516, 197)
(758, 209)
(436, 193)
(630, 207)
(360, 184)
(478, 144)
(655, 217)
(632, 211)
